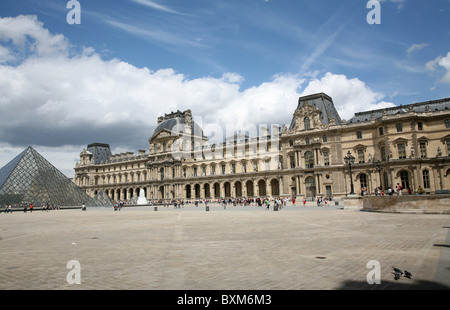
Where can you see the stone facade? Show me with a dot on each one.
(437, 204)
(407, 145)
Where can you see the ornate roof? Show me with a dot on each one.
(320, 104)
(177, 122)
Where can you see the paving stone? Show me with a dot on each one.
(237, 248)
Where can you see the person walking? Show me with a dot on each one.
(399, 189)
(31, 207)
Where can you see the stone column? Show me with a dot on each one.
(441, 177)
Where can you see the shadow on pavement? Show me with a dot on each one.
(442, 245)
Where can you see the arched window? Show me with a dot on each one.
(310, 185)
(307, 123)
(363, 182)
(309, 159)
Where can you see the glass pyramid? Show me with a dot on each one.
(134, 200)
(100, 200)
(30, 178)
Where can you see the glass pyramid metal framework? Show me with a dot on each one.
(100, 200)
(30, 178)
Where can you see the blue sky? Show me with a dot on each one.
(130, 61)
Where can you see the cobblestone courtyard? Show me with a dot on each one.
(237, 248)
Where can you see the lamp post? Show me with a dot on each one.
(379, 167)
(350, 160)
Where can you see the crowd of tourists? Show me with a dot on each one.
(224, 202)
(398, 190)
(30, 207)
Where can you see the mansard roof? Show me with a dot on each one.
(420, 107)
(324, 104)
(175, 122)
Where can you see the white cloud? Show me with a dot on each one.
(27, 32)
(443, 62)
(415, 47)
(59, 100)
(232, 77)
(156, 6)
(349, 95)
(5, 55)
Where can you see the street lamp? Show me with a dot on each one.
(350, 160)
(379, 167)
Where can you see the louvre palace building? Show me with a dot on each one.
(317, 155)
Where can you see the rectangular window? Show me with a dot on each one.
(423, 149)
(448, 147)
(324, 138)
(223, 169)
(358, 135)
(213, 170)
(380, 131)
(399, 127)
(419, 126)
(401, 150)
(195, 172)
(233, 168)
(426, 178)
(383, 153)
(184, 172)
(361, 156)
(292, 161)
(447, 123)
(326, 158)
